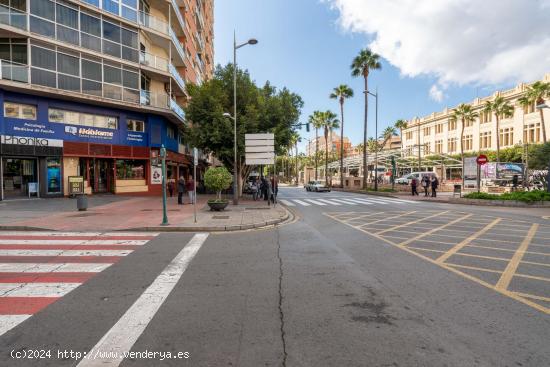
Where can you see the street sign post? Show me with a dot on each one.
(480, 160)
(163, 158)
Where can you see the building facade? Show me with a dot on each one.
(439, 134)
(333, 144)
(94, 88)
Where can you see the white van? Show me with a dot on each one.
(406, 180)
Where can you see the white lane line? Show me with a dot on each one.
(56, 268)
(74, 242)
(316, 202)
(123, 335)
(286, 202)
(330, 202)
(344, 201)
(36, 289)
(303, 203)
(8, 322)
(64, 252)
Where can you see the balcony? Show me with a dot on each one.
(153, 61)
(177, 109)
(14, 71)
(199, 19)
(14, 18)
(177, 44)
(177, 77)
(148, 21)
(178, 14)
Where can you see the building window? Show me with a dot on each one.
(468, 123)
(506, 136)
(19, 111)
(485, 116)
(130, 169)
(530, 108)
(439, 146)
(427, 148)
(485, 140)
(135, 125)
(427, 131)
(408, 135)
(438, 128)
(82, 119)
(452, 125)
(170, 132)
(467, 142)
(452, 145)
(531, 133)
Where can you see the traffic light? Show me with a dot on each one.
(307, 127)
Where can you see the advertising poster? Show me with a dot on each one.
(470, 172)
(156, 175)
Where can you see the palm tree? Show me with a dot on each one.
(537, 92)
(463, 113)
(316, 120)
(341, 93)
(372, 145)
(501, 109)
(329, 122)
(361, 66)
(294, 140)
(401, 125)
(387, 134)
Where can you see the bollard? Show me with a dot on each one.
(82, 202)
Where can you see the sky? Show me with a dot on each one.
(434, 53)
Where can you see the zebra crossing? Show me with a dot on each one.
(38, 268)
(342, 201)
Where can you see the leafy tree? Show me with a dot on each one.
(217, 179)
(501, 109)
(294, 140)
(387, 134)
(361, 66)
(259, 110)
(316, 120)
(342, 92)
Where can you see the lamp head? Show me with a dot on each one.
(227, 115)
(252, 41)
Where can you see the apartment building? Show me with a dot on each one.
(94, 88)
(333, 144)
(438, 134)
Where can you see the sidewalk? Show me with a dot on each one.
(442, 197)
(119, 213)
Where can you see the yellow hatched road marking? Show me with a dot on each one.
(510, 270)
(509, 250)
(540, 298)
(409, 223)
(425, 249)
(385, 219)
(514, 295)
(532, 277)
(534, 263)
(473, 268)
(434, 230)
(460, 245)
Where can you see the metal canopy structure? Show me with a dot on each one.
(405, 160)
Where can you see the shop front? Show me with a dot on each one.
(30, 167)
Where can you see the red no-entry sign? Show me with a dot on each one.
(482, 159)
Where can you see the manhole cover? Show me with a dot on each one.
(220, 217)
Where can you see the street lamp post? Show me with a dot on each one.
(251, 41)
(541, 105)
(375, 95)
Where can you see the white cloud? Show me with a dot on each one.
(436, 93)
(457, 41)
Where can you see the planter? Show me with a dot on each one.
(217, 205)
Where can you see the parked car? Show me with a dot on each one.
(405, 180)
(316, 186)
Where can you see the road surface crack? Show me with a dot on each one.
(281, 313)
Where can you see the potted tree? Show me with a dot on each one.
(217, 179)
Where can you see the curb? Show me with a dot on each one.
(169, 229)
(503, 203)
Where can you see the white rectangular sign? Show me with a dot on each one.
(258, 162)
(260, 149)
(268, 136)
(260, 143)
(268, 155)
(37, 142)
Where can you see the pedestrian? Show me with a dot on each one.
(435, 184)
(425, 184)
(190, 186)
(275, 188)
(181, 189)
(414, 184)
(264, 189)
(171, 187)
(268, 191)
(254, 189)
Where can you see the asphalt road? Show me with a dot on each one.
(355, 280)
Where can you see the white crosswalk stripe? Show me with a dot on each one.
(345, 201)
(330, 202)
(316, 202)
(286, 202)
(362, 201)
(303, 203)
